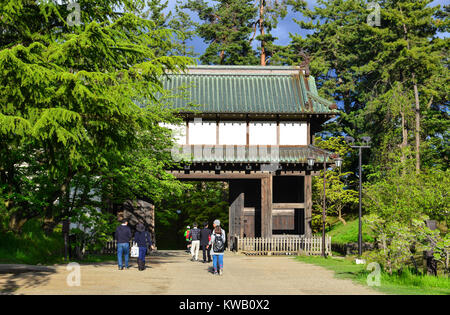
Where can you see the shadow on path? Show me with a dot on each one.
(13, 277)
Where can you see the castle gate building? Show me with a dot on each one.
(253, 127)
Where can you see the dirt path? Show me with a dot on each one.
(172, 272)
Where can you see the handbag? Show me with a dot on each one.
(134, 250)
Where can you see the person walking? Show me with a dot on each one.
(188, 239)
(123, 237)
(205, 238)
(143, 239)
(195, 242)
(218, 238)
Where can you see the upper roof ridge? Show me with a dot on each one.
(244, 70)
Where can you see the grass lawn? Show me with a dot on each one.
(33, 247)
(342, 234)
(407, 283)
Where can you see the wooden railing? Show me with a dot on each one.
(283, 244)
(110, 248)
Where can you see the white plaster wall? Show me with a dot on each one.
(293, 133)
(233, 133)
(203, 132)
(263, 133)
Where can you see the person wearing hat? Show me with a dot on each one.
(218, 240)
(143, 239)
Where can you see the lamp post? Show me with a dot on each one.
(311, 162)
(350, 141)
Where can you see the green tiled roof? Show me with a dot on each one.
(251, 154)
(232, 89)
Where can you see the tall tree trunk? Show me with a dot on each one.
(416, 96)
(50, 219)
(417, 107)
(404, 143)
(16, 222)
(340, 217)
(261, 28)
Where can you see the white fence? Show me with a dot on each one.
(283, 245)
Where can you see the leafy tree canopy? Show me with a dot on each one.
(75, 100)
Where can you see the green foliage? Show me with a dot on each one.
(200, 202)
(175, 20)
(375, 73)
(226, 28)
(401, 195)
(230, 27)
(398, 204)
(270, 11)
(371, 71)
(340, 198)
(78, 103)
(93, 229)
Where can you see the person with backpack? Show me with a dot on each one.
(143, 239)
(187, 238)
(218, 238)
(123, 237)
(205, 237)
(195, 242)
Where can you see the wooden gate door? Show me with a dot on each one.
(236, 221)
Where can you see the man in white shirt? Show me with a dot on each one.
(195, 245)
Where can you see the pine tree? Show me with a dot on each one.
(269, 12)
(226, 28)
(380, 74)
(157, 11)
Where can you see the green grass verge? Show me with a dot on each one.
(406, 284)
(343, 234)
(33, 247)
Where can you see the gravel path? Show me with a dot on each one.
(172, 272)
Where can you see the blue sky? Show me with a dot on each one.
(285, 26)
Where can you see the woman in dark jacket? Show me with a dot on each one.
(143, 239)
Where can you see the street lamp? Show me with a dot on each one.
(324, 215)
(338, 162)
(350, 141)
(311, 161)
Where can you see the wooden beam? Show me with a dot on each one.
(308, 132)
(278, 132)
(247, 136)
(288, 206)
(187, 131)
(222, 176)
(266, 206)
(211, 175)
(217, 132)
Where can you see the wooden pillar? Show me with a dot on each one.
(308, 204)
(266, 206)
(308, 132)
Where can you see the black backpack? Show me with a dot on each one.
(219, 244)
